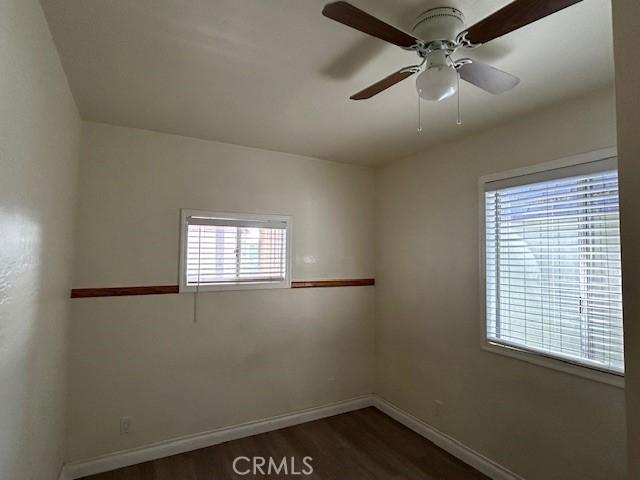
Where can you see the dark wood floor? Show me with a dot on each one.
(361, 445)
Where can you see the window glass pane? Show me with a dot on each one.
(219, 254)
(553, 273)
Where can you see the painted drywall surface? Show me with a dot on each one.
(251, 354)
(39, 146)
(540, 423)
(626, 45)
(134, 182)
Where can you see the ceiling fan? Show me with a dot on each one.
(436, 36)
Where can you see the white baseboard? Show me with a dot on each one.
(124, 458)
(444, 441)
(64, 475)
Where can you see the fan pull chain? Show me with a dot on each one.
(459, 120)
(419, 113)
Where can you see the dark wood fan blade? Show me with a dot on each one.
(488, 78)
(353, 17)
(515, 15)
(383, 84)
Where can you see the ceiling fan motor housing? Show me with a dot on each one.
(439, 24)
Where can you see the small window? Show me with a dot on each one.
(552, 265)
(234, 251)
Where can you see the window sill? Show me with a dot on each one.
(235, 286)
(555, 364)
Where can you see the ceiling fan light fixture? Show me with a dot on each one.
(437, 83)
(435, 41)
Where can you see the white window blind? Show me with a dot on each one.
(552, 265)
(223, 251)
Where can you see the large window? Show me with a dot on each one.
(552, 264)
(233, 251)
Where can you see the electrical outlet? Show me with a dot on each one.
(125, 425)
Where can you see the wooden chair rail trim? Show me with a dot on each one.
(167, 289)
(123, 291)
(356, 282)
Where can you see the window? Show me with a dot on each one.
(234, 251)
(552, 264)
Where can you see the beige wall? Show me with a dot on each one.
(627, 43)
(39, 143)
(261, 353)
(252, 354)
(540, 423)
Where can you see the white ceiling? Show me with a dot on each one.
(276, 74)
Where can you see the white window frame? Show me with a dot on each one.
(185, 213)
(536, 358)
